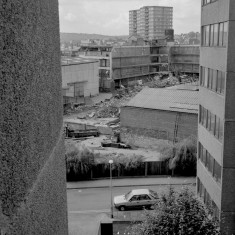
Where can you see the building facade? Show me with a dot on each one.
(216, 147)
(184, 59)
(103, 54)
(80, 80)
(32, 162)
(150, 22)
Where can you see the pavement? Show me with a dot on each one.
(125, 182)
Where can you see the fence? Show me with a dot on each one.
(102, 171)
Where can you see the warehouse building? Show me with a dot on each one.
(170, 114)
(80, 80)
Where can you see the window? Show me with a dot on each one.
(205, 2)
(211, 34)
(206, 77)
(211, 122)
(204, 154)
(210, 163)
(204, 117)
(207, 160)
(217, 172)
(200, 150)
(212, 119)
(225, 34)
(207, 36)
(212, 79)
(200, 114)
(222, 83)
(215, 35)
(134, 198)
(221, 30)
(202, 77)
(201, 191)
(217, 124)
(144, 197)
(221, 131)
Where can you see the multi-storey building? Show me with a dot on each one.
(216, 131)
(133, 22)
(150, 22)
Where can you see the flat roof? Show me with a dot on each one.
(76, 60)
(185, 101)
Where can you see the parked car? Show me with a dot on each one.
(137, 198)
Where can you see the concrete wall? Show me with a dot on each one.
(32, 165)
(86, 73)
(184, 59)
(158, 123)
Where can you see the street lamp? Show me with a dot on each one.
(110, 163)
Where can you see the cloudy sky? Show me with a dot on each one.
(111, 17)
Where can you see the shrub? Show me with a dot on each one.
(177, 214)
(182, 156)
(79, 159)
(185, 158)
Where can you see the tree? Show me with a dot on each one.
(182, 156)
(185, 157)
(79, 159)
(177, 214)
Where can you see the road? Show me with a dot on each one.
(87, 207)
(99, 199)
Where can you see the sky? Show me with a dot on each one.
(111, 17)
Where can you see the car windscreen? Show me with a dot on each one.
(127, 195)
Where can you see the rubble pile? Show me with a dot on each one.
(162, 82)
(111, 108)
(107, 111)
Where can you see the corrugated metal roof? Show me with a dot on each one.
(185, 101)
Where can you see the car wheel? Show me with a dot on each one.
(122, 208)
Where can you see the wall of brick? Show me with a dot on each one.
(157, 123)
(32, 166)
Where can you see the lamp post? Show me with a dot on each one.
(110, 164)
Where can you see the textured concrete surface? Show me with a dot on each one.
(32, 167)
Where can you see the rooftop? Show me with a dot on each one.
(76, 60)
(185, 101)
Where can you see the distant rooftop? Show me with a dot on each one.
(97, 46)
(76, 60)
(185, 101)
